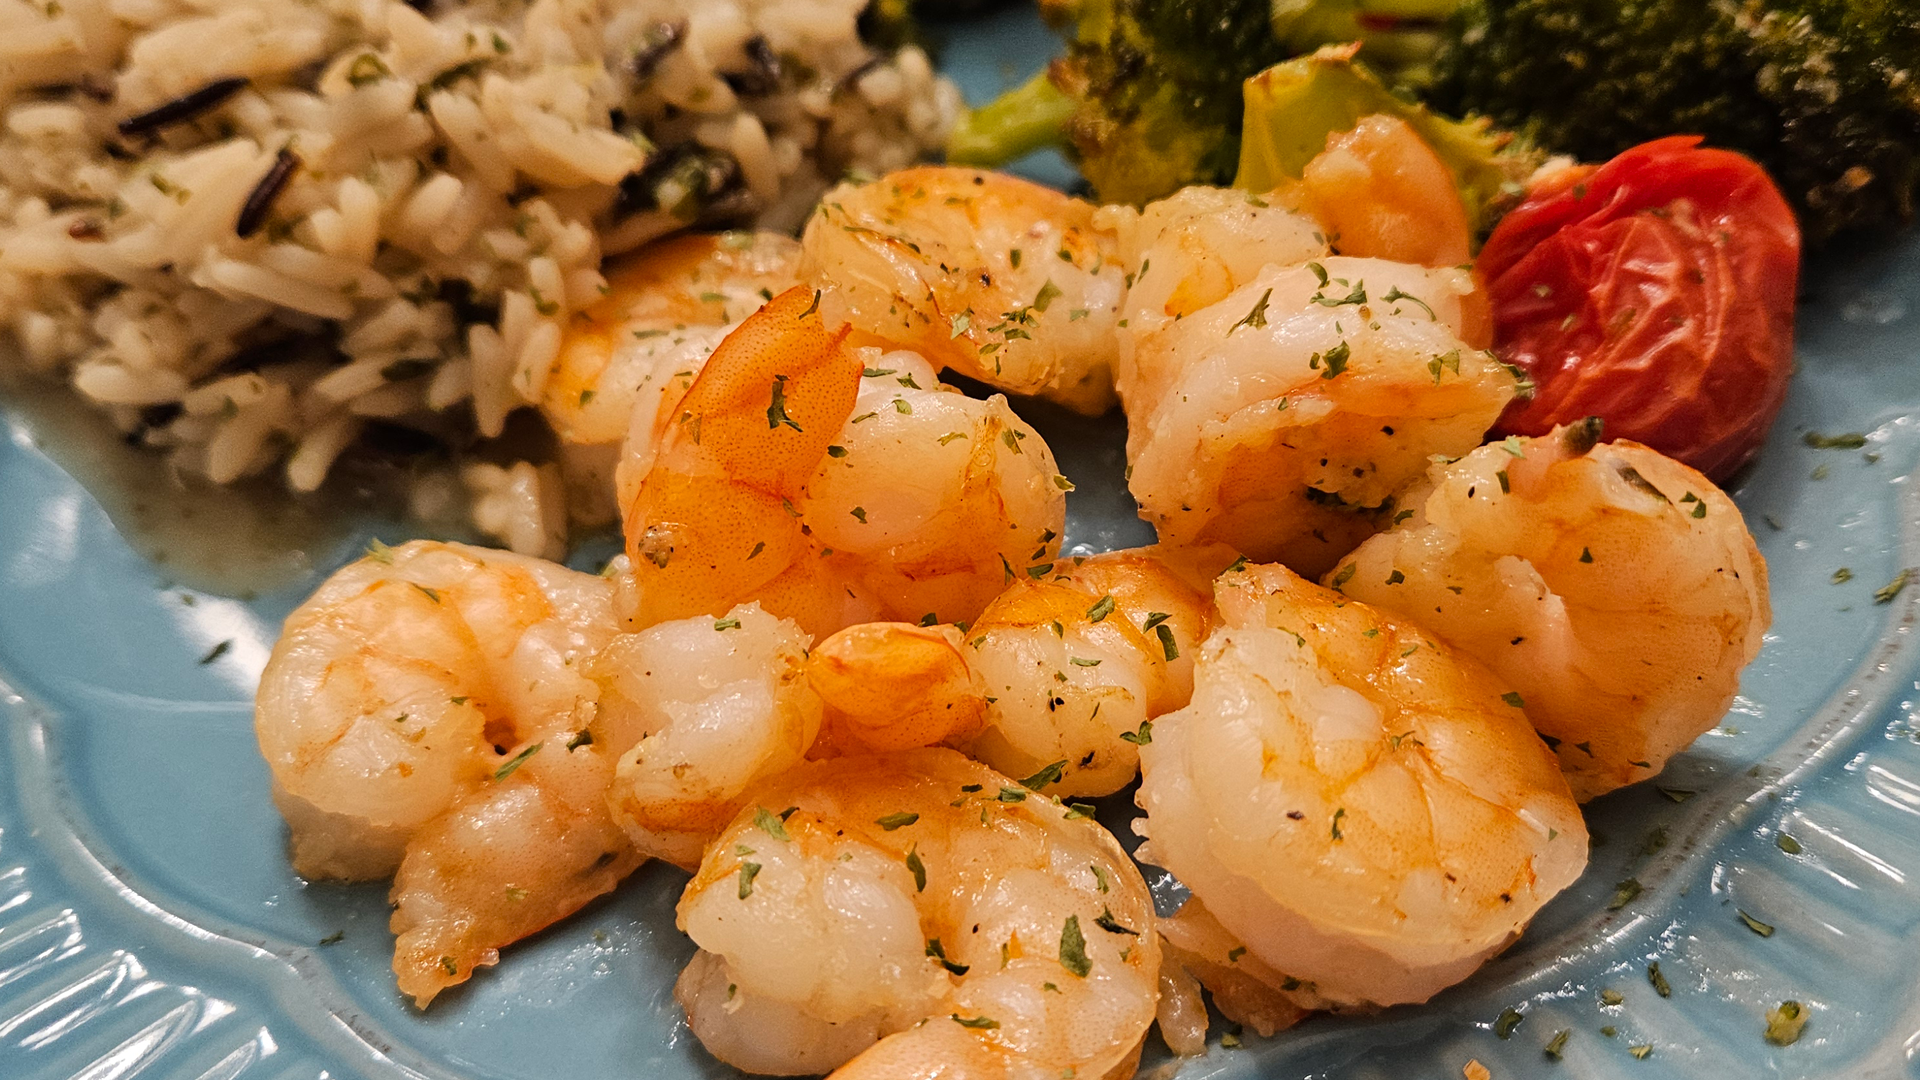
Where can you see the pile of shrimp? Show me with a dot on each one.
(844, 675)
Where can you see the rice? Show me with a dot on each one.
(186, 186)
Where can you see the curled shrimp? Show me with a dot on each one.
(1298, 405)
(998, 278)
(1617, 590)
(1061, 676)
(918, 915)
(833, 485)
(665, 309)
(714, 522)
(929, 495)
(417, 715)
(1283, 378)
(1353, 800)
(406, 681)
(696, 711)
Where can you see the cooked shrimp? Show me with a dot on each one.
(1061, 676)
(407, 681)
(1197, 951)
(999, 279)
(763, 482)
(1292, 410)
(665, 310)
(713, 521)
(918, 915)
(1617, 590)
(658, 302)
(1288, 360)
(522, 853)
(1379, 191)
(1353, 800)
(896, 686)
(928, 496)
(698, 710)
(1188, 252)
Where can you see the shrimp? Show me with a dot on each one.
(1300, 403)
(713, 521)
(1617, 590)
(524, 852)
(918, 915)
(407, 681)
(1282, 377)
(1353, 800)
(764, 483)
(997, 278)
(928, 496)
(1379, 191)
(665, 310)
(697, 710)
(658, 301)
(1060, 677)
(404, 714)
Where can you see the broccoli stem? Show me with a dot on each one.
(1013, 125)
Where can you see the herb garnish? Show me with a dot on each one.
(1073, 948)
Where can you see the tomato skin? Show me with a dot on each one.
(1655, 291)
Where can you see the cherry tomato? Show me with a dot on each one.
(1656, 292)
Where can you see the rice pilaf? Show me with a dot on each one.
(185, 188)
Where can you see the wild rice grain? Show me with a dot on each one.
(253, 214)
(183, 108)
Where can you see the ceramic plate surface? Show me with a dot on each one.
(150, 926)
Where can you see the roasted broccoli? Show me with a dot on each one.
(1153, 87)
(1824, 93)
(1157, 87)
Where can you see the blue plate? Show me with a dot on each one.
(150, 926)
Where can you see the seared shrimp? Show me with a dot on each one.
(1293, 409)
(999, 279)
(714, 520)
(417, 715)
(918, 915)
(929, 495)
(664, 311)
(1061, 676)
(407, 681)
(699, 709)
(1380, 192)
(763, 482)
(1352, 799)
(1289, 360)
(525, 851)
(1617, 590)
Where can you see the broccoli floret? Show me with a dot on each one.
(1152, 88)
(1293, 107)
(1824, 93)
(1157, 87)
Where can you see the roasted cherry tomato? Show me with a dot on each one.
(1656, 292)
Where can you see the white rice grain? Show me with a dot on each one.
(456, 175)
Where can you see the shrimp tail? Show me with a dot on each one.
(714, 520)
(895, 686)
